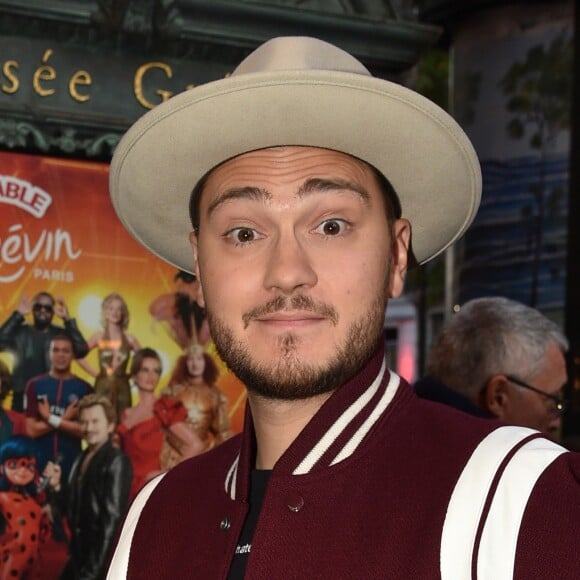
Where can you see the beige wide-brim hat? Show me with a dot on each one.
(295, 91)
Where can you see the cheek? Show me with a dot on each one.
(362, 278)
(232, 289)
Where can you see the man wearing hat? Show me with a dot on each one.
(341, 471)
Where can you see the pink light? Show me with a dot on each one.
(406, 364)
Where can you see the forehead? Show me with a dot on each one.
(555, 364)
(43, 300)
(60, 344)
(278, 168)
(93, 412)
(150, 363)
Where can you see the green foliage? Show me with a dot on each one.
(433, 77)
(539, 89)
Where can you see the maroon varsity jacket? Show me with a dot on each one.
(380, 484)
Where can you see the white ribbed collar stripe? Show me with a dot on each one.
(231, 477)
(340, 425)
(469, 498)
(497, 547)
(356, 439)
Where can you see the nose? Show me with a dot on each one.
(289, 267)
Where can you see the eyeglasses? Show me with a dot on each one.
(558, 401)
(39, 307)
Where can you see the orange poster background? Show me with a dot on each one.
(102, 258)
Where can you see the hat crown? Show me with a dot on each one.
(292, 53)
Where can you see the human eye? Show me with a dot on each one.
(242, 236)
(332, 227)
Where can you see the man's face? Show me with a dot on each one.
(530, 409)
(61, 355)
(42, 311)
(94, 425)
(296, 265)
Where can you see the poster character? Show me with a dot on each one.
(52, 409)
(185, 319)
(193, 383)
(96, 495)
(23, 522)
(115, 346)
(29, 343)
(144, 427)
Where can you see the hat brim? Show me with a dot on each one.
(421, 150)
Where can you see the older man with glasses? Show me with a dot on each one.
(499, 358)
(29, 343)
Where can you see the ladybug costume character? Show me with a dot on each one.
(22, 521)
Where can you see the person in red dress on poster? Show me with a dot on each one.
(144, 427)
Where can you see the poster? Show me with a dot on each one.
(59, 233)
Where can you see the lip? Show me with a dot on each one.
(290, 319)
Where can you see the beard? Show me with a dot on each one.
(41, 323)
(287, 377)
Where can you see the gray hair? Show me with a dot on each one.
(491, 336)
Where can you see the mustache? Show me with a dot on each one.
(289, 303)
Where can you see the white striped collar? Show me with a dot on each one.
(345, 433)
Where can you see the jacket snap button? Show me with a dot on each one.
(225, 524)
(294, 502)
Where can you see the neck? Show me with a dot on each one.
(277, 423)
(146, 396)
(113, 329)
(61, 374)
(94, 448)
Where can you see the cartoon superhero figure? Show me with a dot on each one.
(22, 521)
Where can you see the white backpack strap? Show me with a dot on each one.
(483, 517)
(120, 562)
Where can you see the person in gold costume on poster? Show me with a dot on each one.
(115, 346)
(193, 383)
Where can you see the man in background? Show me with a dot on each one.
(29, 343)
(499, 358)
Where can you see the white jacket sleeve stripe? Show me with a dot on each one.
(468, 500)
(497, 548)
(120, 562)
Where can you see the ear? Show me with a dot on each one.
(399, 256)
(496, 397)
(194, 241)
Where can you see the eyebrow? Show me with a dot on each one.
(314, 185)
(248, 192)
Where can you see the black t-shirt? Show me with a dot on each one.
(258, 484)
